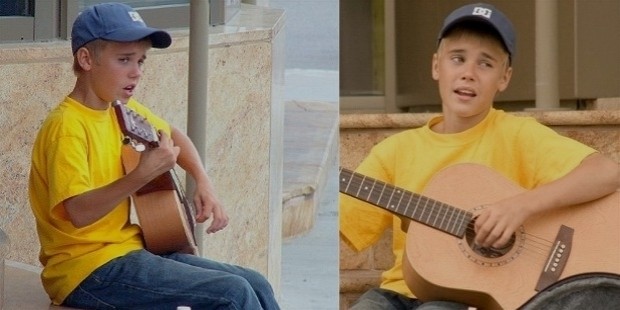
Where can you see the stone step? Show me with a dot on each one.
(310, 145)
(23, 289)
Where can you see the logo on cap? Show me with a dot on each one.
(482, 12)
(135, 16)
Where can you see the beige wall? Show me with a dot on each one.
(246, 68)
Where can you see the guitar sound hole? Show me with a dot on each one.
(488, 252)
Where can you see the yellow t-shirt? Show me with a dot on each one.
(78, 149)
(519, 148)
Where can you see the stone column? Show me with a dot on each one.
(547, 51)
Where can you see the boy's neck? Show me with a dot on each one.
(88, 98)
(454, 124)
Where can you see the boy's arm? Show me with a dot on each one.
(205, 200)
(595, 177)
(90, 206)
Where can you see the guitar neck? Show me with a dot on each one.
(433, 213)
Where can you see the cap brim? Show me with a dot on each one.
(159, 38)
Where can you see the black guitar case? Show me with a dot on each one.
(591, 291)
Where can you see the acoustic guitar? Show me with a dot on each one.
(164, 213)
(441, 261)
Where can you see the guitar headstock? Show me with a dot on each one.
(136, 129)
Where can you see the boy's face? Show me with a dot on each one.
(470, 71)
(116, 69)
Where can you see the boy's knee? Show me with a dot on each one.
(240, 292)
(256, 280)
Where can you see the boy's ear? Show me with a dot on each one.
(505, 80)
(84, 58)
(434, 70)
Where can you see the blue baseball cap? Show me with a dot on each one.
(114, 22)
(485, 13)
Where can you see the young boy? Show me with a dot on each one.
(93, 257)
(472, 64)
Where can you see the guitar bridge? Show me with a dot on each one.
(557, 258)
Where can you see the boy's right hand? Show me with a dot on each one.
(156, 161)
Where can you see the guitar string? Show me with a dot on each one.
(425, 210)
(433, 213)
(537, 245)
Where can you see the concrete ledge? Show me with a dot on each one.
(412, 120)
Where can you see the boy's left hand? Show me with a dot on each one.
(208, 206)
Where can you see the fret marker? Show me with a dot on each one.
(365, 188)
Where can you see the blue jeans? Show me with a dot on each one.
(141, 280)
(382, 299)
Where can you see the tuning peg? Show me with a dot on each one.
(139, 147)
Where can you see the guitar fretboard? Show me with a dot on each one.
(433, 213)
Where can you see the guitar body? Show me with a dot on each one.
(165, 215)
(163, 224)
(166, 223)
(439, 266)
